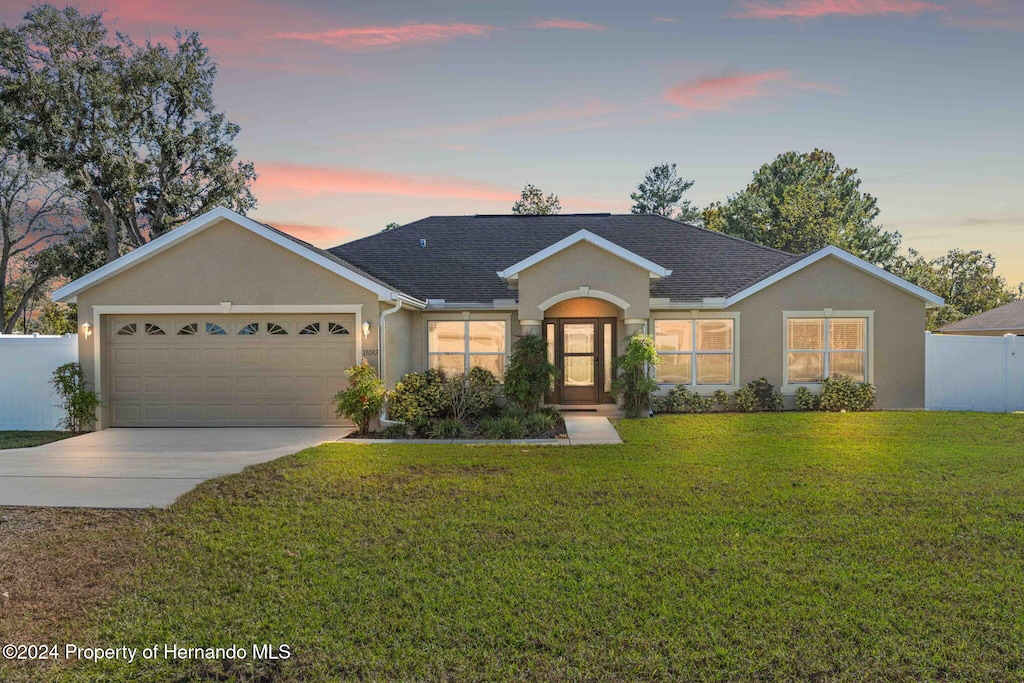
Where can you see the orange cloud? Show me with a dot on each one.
(720, 93)
(319, 235)
(812, 9)
(311, 180)
(368, 37)
(568, 24)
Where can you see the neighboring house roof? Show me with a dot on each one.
(1007, 317)
(320, 257)
(464, 254)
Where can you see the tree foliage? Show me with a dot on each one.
(37, 214)
(803, 202)
(661, 192)
(965, 279)
(132, 128)
(533, 202)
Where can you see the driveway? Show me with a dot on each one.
(141, 468)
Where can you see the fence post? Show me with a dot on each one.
(1009, 341)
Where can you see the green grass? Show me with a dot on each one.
(880, 546)
(18, 439)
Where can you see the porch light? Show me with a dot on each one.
(366, 329)
(86, 329)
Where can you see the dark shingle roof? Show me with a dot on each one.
(464, 253)
(1007, 317)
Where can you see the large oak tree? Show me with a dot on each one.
(132, 128)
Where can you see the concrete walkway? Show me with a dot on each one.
(141, 468)
(590, 430)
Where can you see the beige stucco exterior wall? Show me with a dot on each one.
(403, 338)
(583, 265)
(898, 327)
(224, 262)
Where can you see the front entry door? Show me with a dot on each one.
(583, 350)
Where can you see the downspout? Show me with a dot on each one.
(381, 346)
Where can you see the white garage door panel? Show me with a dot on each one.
(230, 379)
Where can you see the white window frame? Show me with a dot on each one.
(466, 318)
(695, 316)
(827, 314)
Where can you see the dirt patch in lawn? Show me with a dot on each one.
(59, 564)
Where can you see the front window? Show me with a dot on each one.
(817, 348)
(456, 346)
(695, 351)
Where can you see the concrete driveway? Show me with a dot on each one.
(141, 468)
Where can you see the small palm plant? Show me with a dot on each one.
(633, 382)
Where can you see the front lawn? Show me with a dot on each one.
(795, 546)
(19, 439)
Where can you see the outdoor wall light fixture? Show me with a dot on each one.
(366, 329)
(86, 329)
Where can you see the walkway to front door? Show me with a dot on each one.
(582, 349)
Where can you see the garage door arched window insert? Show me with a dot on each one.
(336, 328)
(214, 329)
(250, 329)
(312, 328)
(274, 328)
(154, 330)
(189, 330)
(127, 330)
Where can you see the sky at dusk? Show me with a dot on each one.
(360, 114)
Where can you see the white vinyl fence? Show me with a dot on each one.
(27, 363)
(974, 373)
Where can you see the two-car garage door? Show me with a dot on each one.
(226, 370)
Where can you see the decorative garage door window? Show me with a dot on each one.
(223, 328)
(456, 346)
(694, 351)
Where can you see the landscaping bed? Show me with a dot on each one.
(770, 546)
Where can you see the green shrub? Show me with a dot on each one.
(419, 396)
(552, 411)
(529, 374)
(841, 393)
(467, 397)
(720, 398)
(805, 400)
(681, 400)
(448, 428)
(757, 396)
(78, 403)
(838, 394)
(633, 383)
(538, 423)
(363, 399)
(399, 430)
(504, 427)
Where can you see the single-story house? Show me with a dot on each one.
(228, 321)
(1002, 320)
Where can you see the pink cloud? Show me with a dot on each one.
(812, 9)
(718, 93)
(568, 24)
(665, 20)
(368, 37)
(320, 235)
(306, 181)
